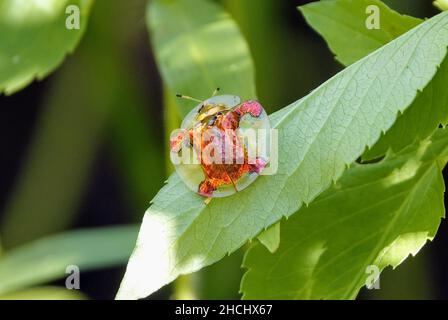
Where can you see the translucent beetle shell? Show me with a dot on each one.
(217, 150)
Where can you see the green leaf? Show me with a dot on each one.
(318, 137)
(46, 259)
(199, 48)
(72, 124)
(420, 120)
(271, 237)
(202, 51)
(35, 40)
(339, 20)
(44, 293)
(327, 248)
(441, 4)
(348, 17)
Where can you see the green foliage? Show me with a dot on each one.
(93, 94)
(271, 237)
(34, 39)
(59, 158)
(46, 259)
(44, 293)
(204, 32)
(318, 137)
(202, 51)
(420, 120)
(63, 148)
(327, 247)
(282, 54)
(339, 20)
(322, 264)
(348, 17)
(390, 101)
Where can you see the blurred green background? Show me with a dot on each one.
(85, 149)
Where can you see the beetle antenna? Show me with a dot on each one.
(188, 98)
(216, 91)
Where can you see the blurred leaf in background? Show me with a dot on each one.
(289, 61)
(94, 89)
(441, 4)
(34, 39)
(92, 95)
(46, 259)
(44, 293)
(201, 51)
(82, 100)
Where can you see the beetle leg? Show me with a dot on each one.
(206, 188)
(258, 166)
(176, 142)
(251, 106)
